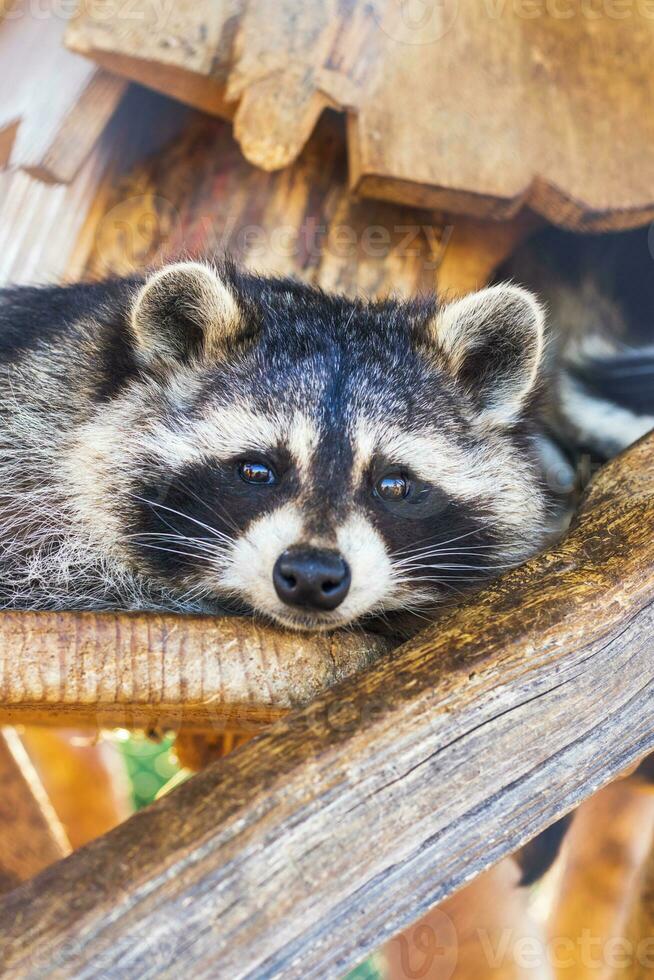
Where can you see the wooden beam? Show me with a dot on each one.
(150, 670)
(199, 196)
(31, 836)
(345, 821)
(183, 49)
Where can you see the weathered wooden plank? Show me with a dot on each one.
(31, 835)
(342, 823)
(149, 670)
(183, 49)
(47, 230)
(57, 104)
(552, 110)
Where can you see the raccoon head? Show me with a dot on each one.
(318, 459)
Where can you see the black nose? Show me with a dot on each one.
(312, 578)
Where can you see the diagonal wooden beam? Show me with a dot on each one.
(31, 835)
(348, 819)
(84, 776)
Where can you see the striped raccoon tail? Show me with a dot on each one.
(607, 396)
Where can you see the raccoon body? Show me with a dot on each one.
(599, 293)
(203, 439)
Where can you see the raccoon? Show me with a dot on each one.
(203, 439)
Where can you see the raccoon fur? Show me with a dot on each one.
(203, 439)
(599, 292)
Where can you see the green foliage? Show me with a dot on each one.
(150, 766)
(370, 969)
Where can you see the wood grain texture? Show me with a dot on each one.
(31, 836)
(57, 104)
(183, 49)
(343, 822)
(149, 670)
(453, 105)
(48, 230)
(198, 196)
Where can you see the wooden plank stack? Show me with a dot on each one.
(451, 105)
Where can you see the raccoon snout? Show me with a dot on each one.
(311, 578)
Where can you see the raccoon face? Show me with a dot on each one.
(316, 459)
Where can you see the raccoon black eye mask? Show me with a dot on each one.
(206, 439)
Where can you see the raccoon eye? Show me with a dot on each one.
(393, 486)
(257, 473)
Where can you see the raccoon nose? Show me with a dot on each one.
(312, 578)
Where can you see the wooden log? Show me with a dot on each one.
(342, 823)
(552, 111)
(31, 835)
(48, 230)
(198, 196)
(165, 671)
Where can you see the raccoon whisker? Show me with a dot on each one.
(460, 537)
(431, 561)
(185, 554)
(207, 527)
(449, 544)
(197, 593)
(440, 578)
(456, 552)
(473, 568)
(415, 560)
(199, 543)
(412, 607)
(463, 549)
(217, 505)
(428, 598)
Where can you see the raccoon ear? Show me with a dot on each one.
(493, 343)
(183, 311)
